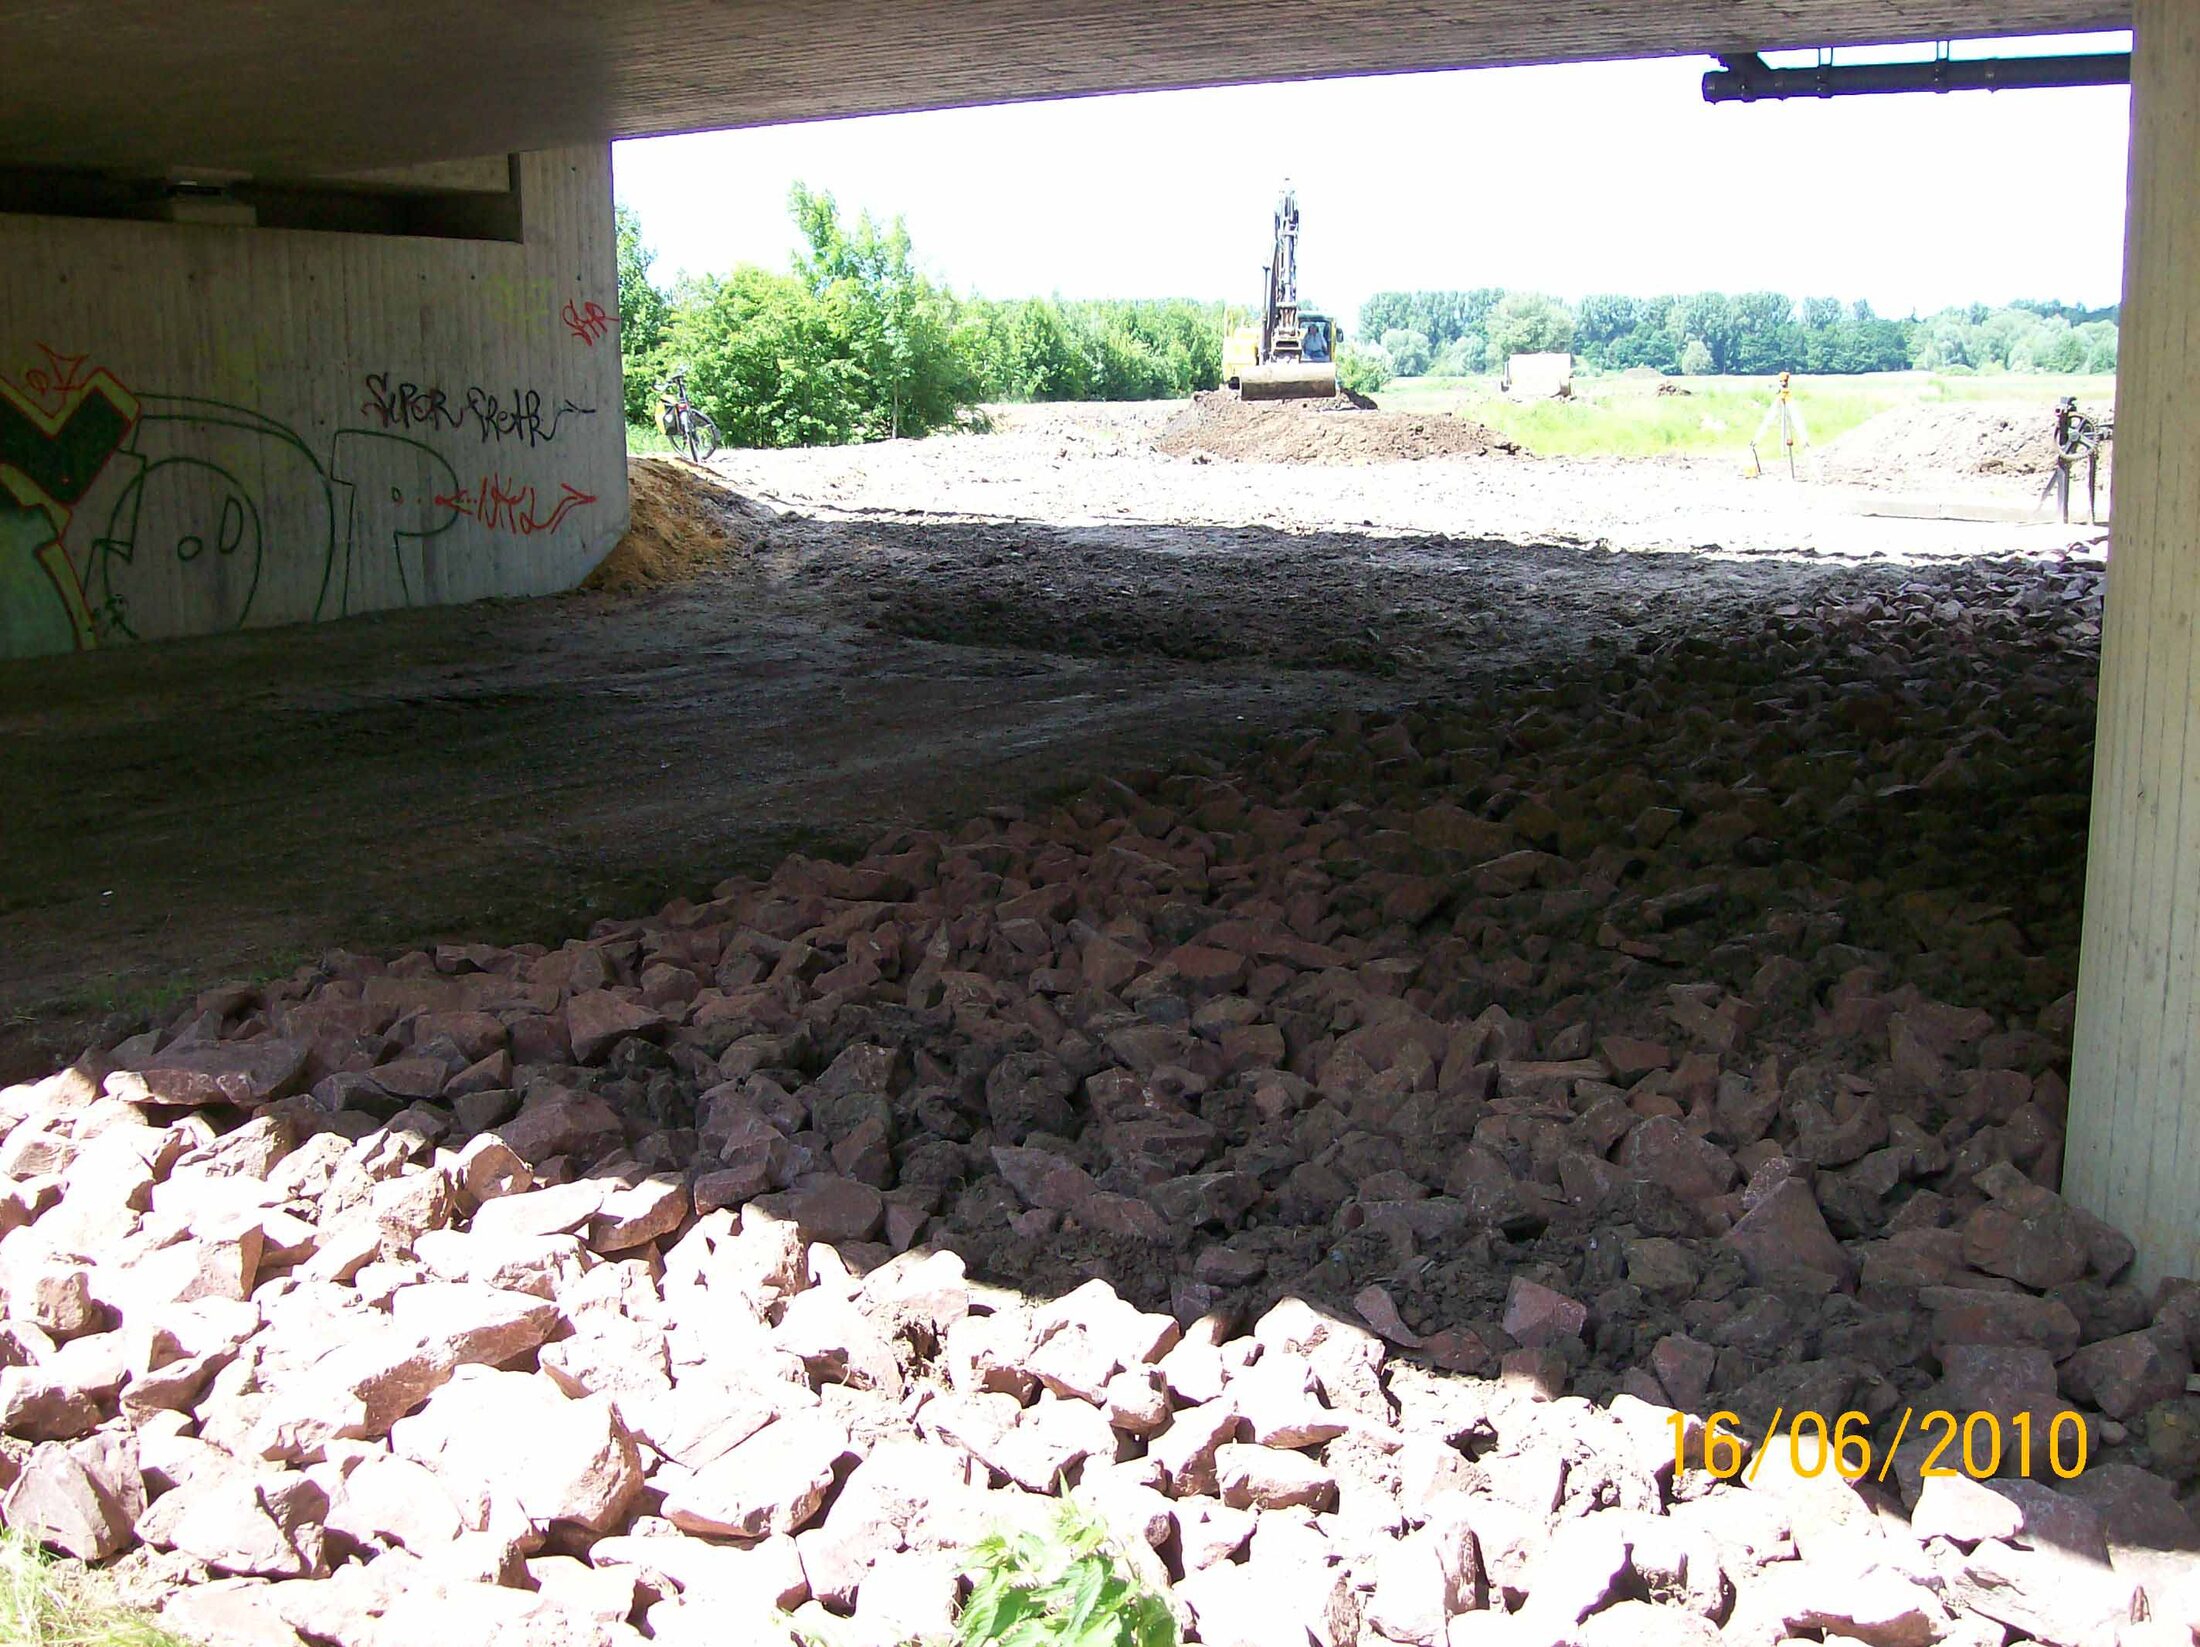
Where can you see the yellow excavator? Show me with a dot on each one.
(1291, 355)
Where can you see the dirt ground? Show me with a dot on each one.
(1217, 424)
(1897, 447)
(929, 629)
(1097, 466)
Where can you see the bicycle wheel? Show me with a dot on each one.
(702, 440)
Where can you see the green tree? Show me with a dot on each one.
(2066, 352)
(1441, 317)
(853, 343)
(899, 327)
(1696, 358)
(1408, 350)
(1047, 357)
(1045, 349)
(1602, 321)
(1707, 317)
(771, 364)
(1529, 323)
(2021, 337)
(1361, 369)
(1766, 337)
(1461, 357)
(643, 314)
(1652, 342)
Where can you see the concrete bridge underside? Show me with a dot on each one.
(277, 86)
(380, 352)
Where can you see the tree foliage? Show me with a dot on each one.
(853, 341)
(769, 363)
(2021, 338)
(1363, 368)
(643, 311)
(1441, 317)
(1529, 323)
(850, 343)
(896, 328)
(1748, 332)
(1409, 351)
(1048, 349)
(1461, 357)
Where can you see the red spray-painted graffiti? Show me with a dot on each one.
(54, 384)
(586, 321)
(508, 506)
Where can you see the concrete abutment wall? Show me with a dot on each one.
(206, 426)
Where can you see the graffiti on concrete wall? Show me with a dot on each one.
(512, 300)
(586, 321)
(126, 514)
(520, 417)
(505, 505)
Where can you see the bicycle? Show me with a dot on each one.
(685, 424)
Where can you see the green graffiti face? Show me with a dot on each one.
(184, 544)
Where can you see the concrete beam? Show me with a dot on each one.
(282, 87)
(2133, 1154)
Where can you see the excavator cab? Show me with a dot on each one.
(1318, 346)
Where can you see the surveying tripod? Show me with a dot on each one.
(2076, 436)
(1784, 414)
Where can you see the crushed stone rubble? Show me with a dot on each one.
(1338, 1168)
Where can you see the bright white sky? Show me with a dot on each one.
(1612, 177)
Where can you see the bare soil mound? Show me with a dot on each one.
(1218, 424)
(684, 522)
(1919, 443)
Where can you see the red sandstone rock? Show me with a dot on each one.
(1271, 1478)
(517, 1434)
(1535, 1315)
(771, 1483)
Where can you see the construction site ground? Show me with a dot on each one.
(916, 632)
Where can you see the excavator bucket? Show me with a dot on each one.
(1289, 380)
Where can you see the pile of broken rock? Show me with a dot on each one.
(1339, 1170)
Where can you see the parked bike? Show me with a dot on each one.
(685, 424)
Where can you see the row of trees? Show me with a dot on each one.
(1461, 333)
(1046, 349)
(854, 342)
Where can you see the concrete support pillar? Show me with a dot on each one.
(2133, 1154)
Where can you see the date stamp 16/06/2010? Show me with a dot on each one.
(1976, 1444)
